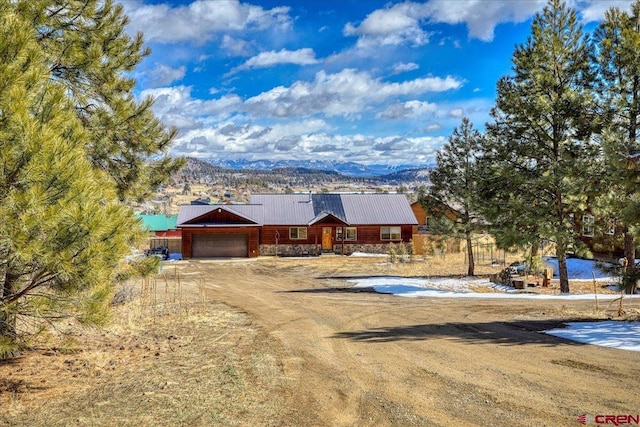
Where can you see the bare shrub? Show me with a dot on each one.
(124, 293)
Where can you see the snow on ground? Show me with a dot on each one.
(580, 269)
(622, 335)
(459, 288)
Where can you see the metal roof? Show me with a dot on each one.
(303, 209)
(356, 209)
(328, 204)
(159, 222)
(250, 212)
(285, 209)
(377, 209)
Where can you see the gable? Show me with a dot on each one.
(327, 218)
(218, 215)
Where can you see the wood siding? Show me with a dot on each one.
(421, 214)
(366, 234)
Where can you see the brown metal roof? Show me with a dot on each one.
(302, 209)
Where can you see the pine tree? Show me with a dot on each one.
(64, 232)
(454, 187)
(618, 42)
(88, 51)
(540, 147)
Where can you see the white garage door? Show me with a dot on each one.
(220, 245)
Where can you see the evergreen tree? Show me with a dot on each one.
(64, 232)
(88, 51)
(454, 187)
(618, 43)
(540, 147)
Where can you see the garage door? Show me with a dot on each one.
(220, 245)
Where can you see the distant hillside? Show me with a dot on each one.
(350, 169)
(203, 172)
(417, 176)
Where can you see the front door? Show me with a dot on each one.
(327, 240)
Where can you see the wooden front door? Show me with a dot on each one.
(327, 240)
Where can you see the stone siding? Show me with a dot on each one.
(313, 250)
(289, 250)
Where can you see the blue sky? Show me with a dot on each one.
(373, 82)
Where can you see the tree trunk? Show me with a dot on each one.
(470, 255)
(7, 316)
(535, 248)
(629, 275)
(563, 274)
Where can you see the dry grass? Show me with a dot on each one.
(451, 264)
(171, 357)
(165, 360)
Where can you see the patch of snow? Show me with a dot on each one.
(466, 287)
(621, 335)
(580, 269)
(365, 254)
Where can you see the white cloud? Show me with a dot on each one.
(347, 93)
(235, 46)
(199, 21)
(398, 24)
(175, 107)
(481, 17)
(403, 67)
(407, 109)
(403, 23)
(305, 141)
(456, 113)
(593, 10)
(256, 141)
(163, 75)
(304, 56)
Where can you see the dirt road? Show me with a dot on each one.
(354, 358)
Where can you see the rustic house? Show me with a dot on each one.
(296, 224)
(162, 231)
(422, 233)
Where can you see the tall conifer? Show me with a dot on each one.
(541, 145)
(64, 231)
(454, 187)
(88, 51)
(618, 44)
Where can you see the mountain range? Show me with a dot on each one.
(350, 169)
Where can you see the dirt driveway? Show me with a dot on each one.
(356, 358)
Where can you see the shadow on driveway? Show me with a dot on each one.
(506, 333)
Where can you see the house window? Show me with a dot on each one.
(588, 225)
(390, 233)
(351, 233)
(610, 228)
(298, 233)
(338, 233)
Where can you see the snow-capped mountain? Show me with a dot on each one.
(345, 168)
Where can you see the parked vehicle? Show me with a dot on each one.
(159, 251)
